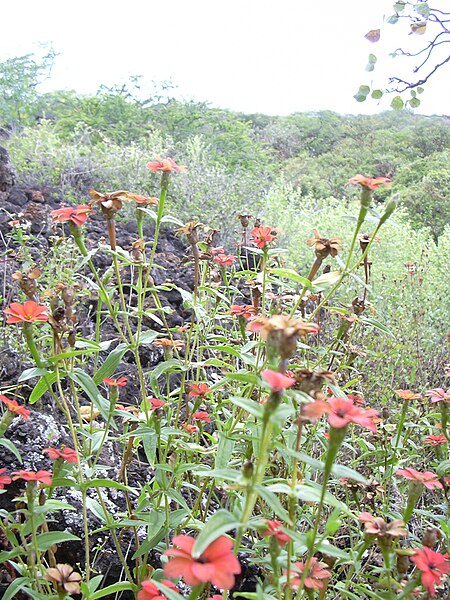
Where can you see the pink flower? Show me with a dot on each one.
(369, 182)
(277, 381)
(121, 382)
(433, 565)
(261, 236)
(15, 407)
(224, 259)
(151, 592)
(435, 440)
(243, 310)
(189, 428)
(166, 164)
(427, 478)
(217, 564)
(26, 313)
(438, 395)
(40, 476)
(343, 411)
(4, 479)
(201, 415)
(66, 454)
(156, 403)
(317, 572)
(275, 529)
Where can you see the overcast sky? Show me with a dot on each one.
(274, 57)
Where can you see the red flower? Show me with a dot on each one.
(427, 478)
(218, 250)
(217, 564)
(224, 259)
(277, 381)
(433, 565)
(189, 428)
(275, 529)
(438, 395)
(4, 479)
(66, 454)
(261, 236)
(317, 572)
(201, 415)
(26, 313)
(15, 407)
(151, 592)
(167, 164)
(121, 382)
(40, 476)
(199, 390)
(243, 310)
(77, 215)
(343, 411)
(369, 182)
(156, 403)
(435, 440)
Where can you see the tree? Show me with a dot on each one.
(422, 18)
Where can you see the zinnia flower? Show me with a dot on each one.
(427, 478)
(67, 454)
(121, 382)
(323, 246)
(224, 259)
(261, 236)
(26, 313)
(151, 592)
(40, 476)
(369, 182)
(77, 214)
(438, 395)
(166, 164)
(64, 578)
(189, 428)
(343, 411)
(275, 529)
(433, 565)
(199, 390)
(4, 479)
(408, 395)
(247, 311)
(167, 343)
(217, 564)
(277, 381)
(15, 407)
(201, 415)
(435, 440)
(143, 199)
(380, 528)
(314, 580)
(156, 403)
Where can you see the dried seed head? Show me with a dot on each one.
(64, 578)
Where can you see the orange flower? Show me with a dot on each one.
(369, 182)
(407, 395)
(67, 454)
(224, 259)
(217, 564)
(166, 164)
(189, 428)
(143, 199)
(4, 479)
(167, 343)
(77, 214)
(342, 412)
(199, 390)
(317, 572)
(15, 407)
(26, 313)
(261, 236)
(243, 310)
(275, 529)
(201, 415)
(156, 403)
(121, 382)
(435, 440)
(40, 476)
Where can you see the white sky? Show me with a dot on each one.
(274, 57)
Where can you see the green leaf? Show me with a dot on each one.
(397, 103)
(47, 539)
(41, 387)
(377, 94)
(370, 67)
(34, 372)
(423, 9)
(147, 337)
(292, 275)
(19, 584)
(308, 493)
(272, 500)
(364, 90)
(250, 406)
(325, 281)
(113, 589)
(221, 474)
(225, 449)
(87, 384)
(11, 447)
(399, 6)
(156, 520)
(221, 522)
(108, 483)
(372, 58)
(392, 20)
(110, 364)
(420, 90)
(376, 324)
(360, 97)
(414, 102)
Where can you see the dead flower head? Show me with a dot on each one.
(190, 229)
(111, 202)
(324, 247)
(64, 578)
(282, 332)
(27, 281)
